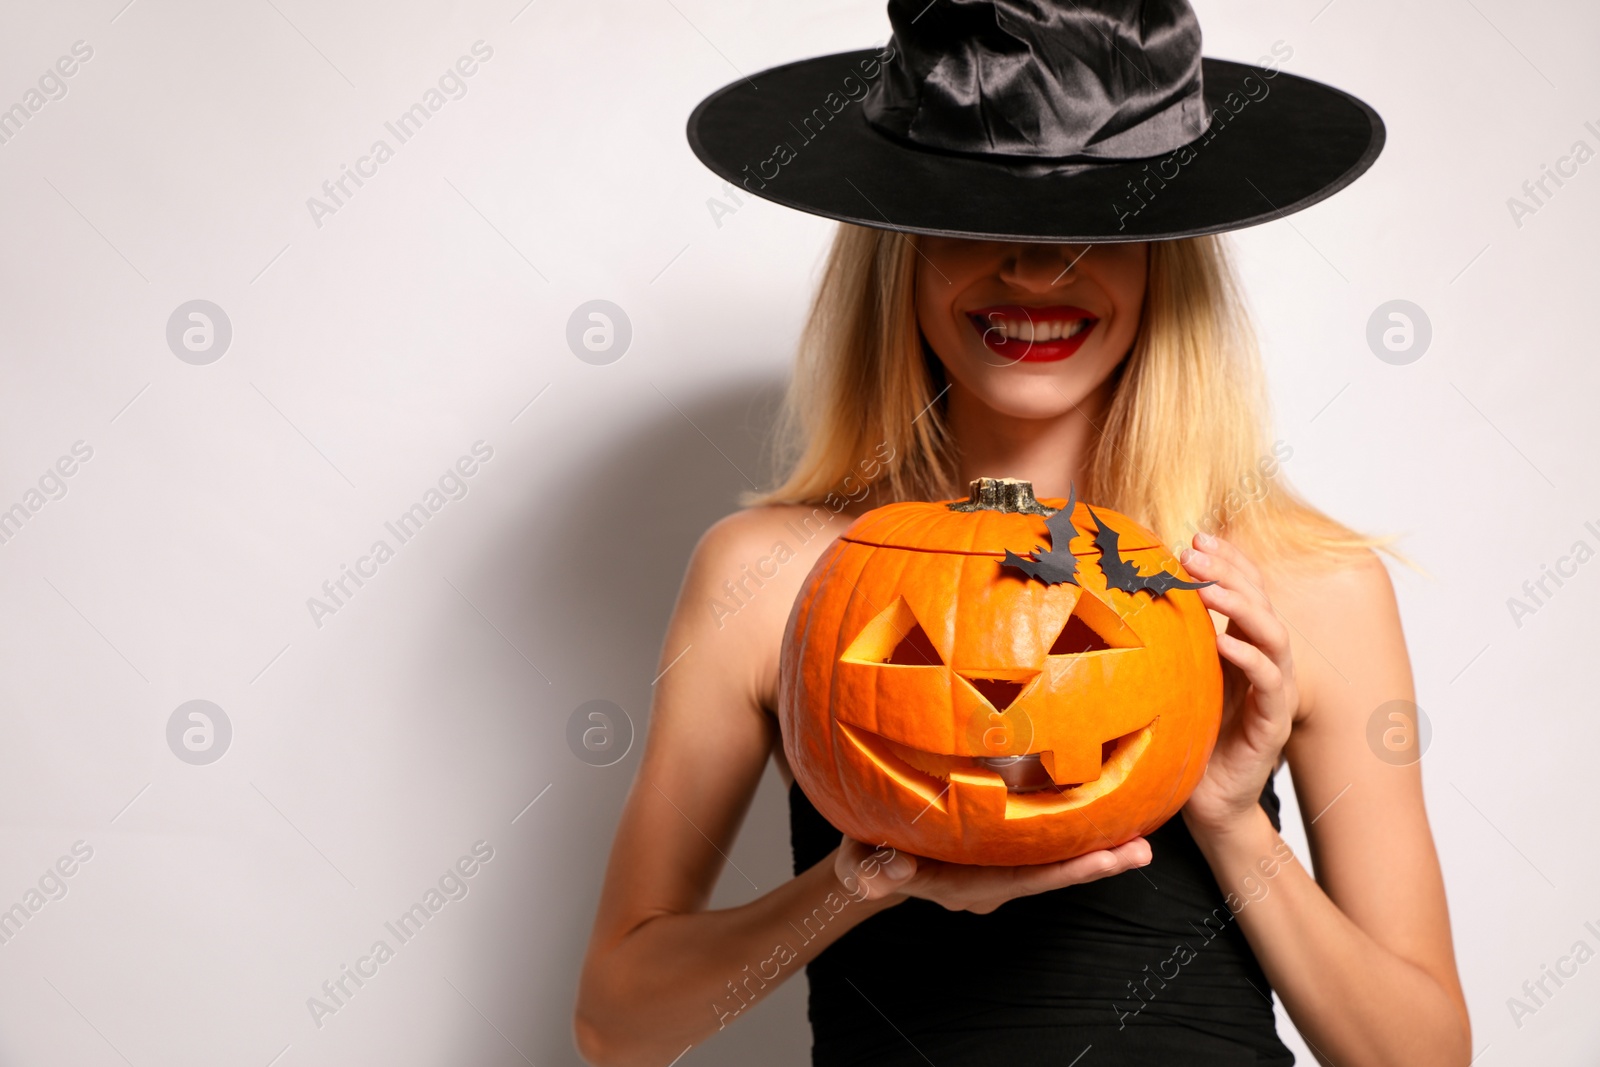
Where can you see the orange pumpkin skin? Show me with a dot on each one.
(885, 750)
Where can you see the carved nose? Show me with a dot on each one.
(1000, 692)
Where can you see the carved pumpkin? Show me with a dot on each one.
(945, 695)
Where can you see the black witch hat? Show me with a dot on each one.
(1037, 120)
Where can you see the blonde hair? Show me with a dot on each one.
(1183, 446)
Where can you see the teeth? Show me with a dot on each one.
(1039, 332)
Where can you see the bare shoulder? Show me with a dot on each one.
(765, 540)
(749, 529)
(1356, 580)
(1345, 631)
(745, 574)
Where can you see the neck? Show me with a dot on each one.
(1048, 452)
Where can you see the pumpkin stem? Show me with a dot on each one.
(1001, 494)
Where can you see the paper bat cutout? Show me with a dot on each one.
(1058, 564)
(1124, 575)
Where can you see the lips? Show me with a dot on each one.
(1033, 334)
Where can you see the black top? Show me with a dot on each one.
(1147, 967)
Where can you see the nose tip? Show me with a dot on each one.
(1039, 267)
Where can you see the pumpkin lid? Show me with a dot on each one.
(1000, 515)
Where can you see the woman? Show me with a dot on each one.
(960, 341)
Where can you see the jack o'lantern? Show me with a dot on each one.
(943, 693)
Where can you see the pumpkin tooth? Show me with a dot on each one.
(1125, 752)
(1022, 774)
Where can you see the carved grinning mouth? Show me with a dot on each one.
(1029, 786)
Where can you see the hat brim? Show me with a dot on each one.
(1278, 143)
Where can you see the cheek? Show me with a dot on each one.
(935, 315)
(1126, 283)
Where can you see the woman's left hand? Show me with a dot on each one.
(1257, 642)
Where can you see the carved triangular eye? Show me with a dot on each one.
(915, 649)
(896, 638)
(1076, 637)
(1093, 627)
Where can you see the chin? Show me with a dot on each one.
(1036, 390)
(1019, 400)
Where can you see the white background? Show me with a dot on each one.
(371, 352)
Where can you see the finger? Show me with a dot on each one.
(1243, 604)
(1107, 862)
(1221, 570)
(1261, 670)
(1253, 620)
(870, 874)
(844, 864)
(1089, 867)
(1224, 570)
(1221, 546)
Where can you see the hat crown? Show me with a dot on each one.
(1094, 79)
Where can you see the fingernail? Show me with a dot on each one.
(898, 868)
(1191, 557)
(1205, 540)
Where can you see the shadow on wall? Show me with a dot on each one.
(594, 598)
(625, 524)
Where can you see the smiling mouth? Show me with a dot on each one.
(1029, 785)
(1033, 334)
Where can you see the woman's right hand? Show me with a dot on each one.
(874, 874)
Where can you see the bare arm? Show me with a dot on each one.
(1362, 954)
(658, 965)
(662, 973)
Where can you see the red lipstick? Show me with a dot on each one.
(1033, 334)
